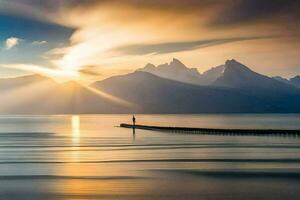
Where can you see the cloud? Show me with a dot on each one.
(246, 11)
(155, 28)
(11, 42)
(39, 43)
(164, 48)
(90, 72)
(150, 29)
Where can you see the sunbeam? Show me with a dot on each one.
(68, 75)
(110, 97)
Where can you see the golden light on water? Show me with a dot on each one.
(75, 122)
(75, 130)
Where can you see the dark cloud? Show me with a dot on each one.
(227, 12)
(243, 11)
(164, 48)
(168, 5)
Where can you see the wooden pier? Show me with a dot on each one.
(215, 131)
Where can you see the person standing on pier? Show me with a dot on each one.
(133, 127)
(133, 121)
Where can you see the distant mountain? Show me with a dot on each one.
(295, 81)
(232, 74)
(210, 76)
(177, 71)
(153, 94)
(40, 95)
(237, 75)
(174, 70)
(12, 83)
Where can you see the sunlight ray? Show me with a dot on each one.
(110, 97)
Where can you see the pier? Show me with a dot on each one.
(215, 131)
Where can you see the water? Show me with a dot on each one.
(89, 157)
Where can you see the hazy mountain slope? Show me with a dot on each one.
(32, 95)
(12, 83)
(74, 98)
(157, 95)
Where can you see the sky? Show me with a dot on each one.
(96, 39)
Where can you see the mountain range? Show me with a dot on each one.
(177, 71)
(231, 74)
(167, 88)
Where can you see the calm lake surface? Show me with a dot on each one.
(89, 157)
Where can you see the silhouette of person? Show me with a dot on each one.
(133, 120)
(133, 128)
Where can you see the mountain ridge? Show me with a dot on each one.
(175, 70)
(222, 75)
(149, 93)
(237, 75)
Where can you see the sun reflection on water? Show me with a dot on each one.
(75, 130)
(75, 122)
